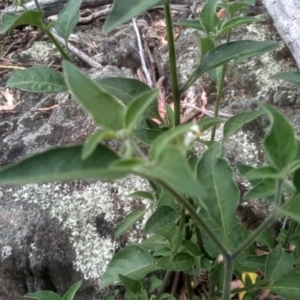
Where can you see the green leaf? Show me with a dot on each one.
(141, 194)
(253, 262)
(292, 208)
(68, 18)
(106, 111)
(95, 139)
(153, 242)
(190, 23)
(137, 108)
(237, 21)
(287, 287)
(44, 295)
(262, 173)
(70, 294)
(278, 264)
(208, 17)
(147, 136)
(128, 222)
(237, 7)
(172, 169)
(38, 79)
(280, 144)
(154, 283)
(266, 238)
(232, 50)
(170, 113)
(124, 11)
(181, 261)
(161, 218)
(205, 44)
(10, 20)
(162, 251)
(216, 75)
(191, 247)
(218, 190)
(134, 286)
(236, 122)
(112, 295)
(131, 261)
(263, 189)
(294, 166)
(62, 164)
(291, 77)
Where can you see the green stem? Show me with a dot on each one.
(228, 266)
(188, 281)
(180, 230)
(290, 231)
(165, 282)
(264, 225)
(56, 43)
(172, 60)
(37, 5)
(213, 277)
(218, 101)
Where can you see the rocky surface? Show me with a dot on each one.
(52, 235)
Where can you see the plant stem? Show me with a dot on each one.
(264, 225)
(213, 276)
(172, 61)
(218, 101)
(37, 5)
(165, 282)
(228, 268)
(56, 43)
(180, 230)
(290, 231)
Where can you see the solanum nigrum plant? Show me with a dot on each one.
(193, 226)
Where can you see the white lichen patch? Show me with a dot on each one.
(6, 251)
(76, 207)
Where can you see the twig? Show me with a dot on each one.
(141, 53)
(79, 53)
(100, 13)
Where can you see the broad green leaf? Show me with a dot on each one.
(190, 23)
(263, 173)
(44, 295)
(208, 16)
(154, 283)
(10, 20)
(229, 51)
(62, 164)
(191, 247)
(128, 222)
(137, 108)
(68, 18)
(131, 261)
(127, 163)
(237, 7)
(263, 189)
(216, 75)
(181, 261)
(70, 294)
(147, 136)
(291, 208)
(291, 77)
(124, 11)
(267, 239)
(218, 190)
(287, 287)
(236, 122)
(173, 170)
(253, 262)
(153, 242)
(280, 144)
(95, 139)
(38, 79)
(294, 166)
(112, 295)
(162, 217)
(205, 44)
(134, 286)
(237, 21)
(106, 111)
(166, 251)
(141, 194)
(278, 264)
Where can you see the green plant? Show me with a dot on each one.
(193, 225)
